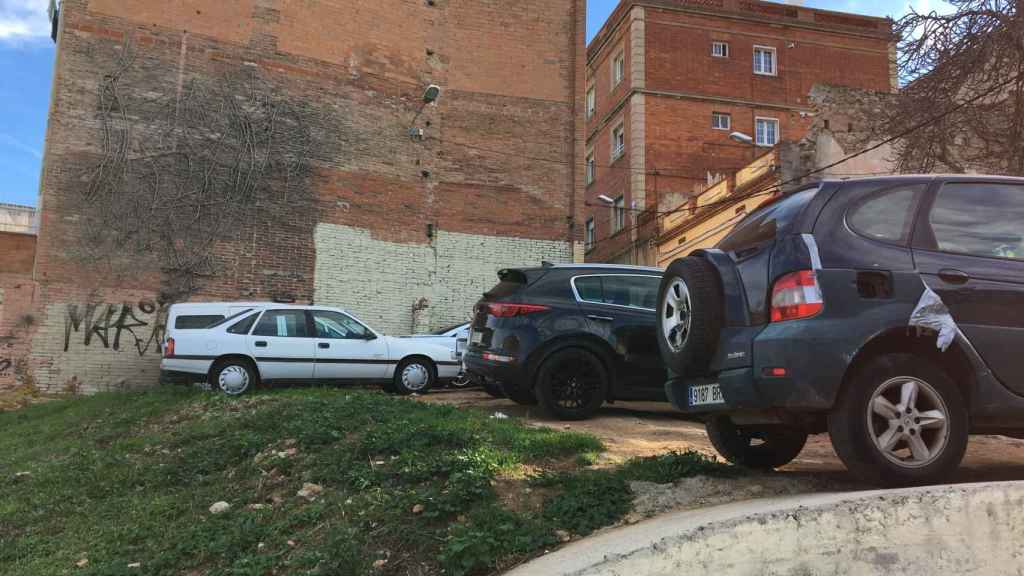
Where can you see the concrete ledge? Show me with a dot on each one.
(961, 529)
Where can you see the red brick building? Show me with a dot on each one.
(669, 80)
(258, 149)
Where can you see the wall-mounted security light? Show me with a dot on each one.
(741, 138)
(606, 199)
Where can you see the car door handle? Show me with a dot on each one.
(601, 318)
(261, 344)
(324, 345)
(952, 276)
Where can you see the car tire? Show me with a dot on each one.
(414, 375)
(572, 384)
(518, 394)
(233, 376)
(916, 434)
(690, 311)
(764, 449)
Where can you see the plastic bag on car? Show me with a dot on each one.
(932, 313)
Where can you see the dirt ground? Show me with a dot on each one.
(647, 428)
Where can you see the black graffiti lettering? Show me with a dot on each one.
(74, 321)
(117, 320)
(5, 365)
(124, 324)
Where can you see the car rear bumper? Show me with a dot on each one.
(512, 371)
(814, 354)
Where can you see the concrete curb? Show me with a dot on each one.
(951, 530)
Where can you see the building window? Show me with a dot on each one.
(618, 142)
(764, 60)
(589, 241)
(767, 132)
(619, 214)
(591, 169)
(720, 49)
(591, 103)
(721, 121)
(618, 69)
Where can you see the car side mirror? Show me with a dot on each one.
(369, 336)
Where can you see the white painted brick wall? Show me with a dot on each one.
(379, 281)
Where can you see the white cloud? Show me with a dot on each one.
(24, 19)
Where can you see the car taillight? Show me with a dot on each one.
(502, 310)
(796, 296)
(169, 348)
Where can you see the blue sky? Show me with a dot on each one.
(26, 65)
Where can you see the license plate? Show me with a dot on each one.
(706, 394)
(476, 337)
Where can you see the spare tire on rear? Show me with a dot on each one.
(689, 316)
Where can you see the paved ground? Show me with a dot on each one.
(648, 428)
(959, 529)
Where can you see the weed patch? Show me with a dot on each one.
(94, 485)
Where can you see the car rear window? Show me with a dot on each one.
(767, 223)
(514, 279)
(197, 321)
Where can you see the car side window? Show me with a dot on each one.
(887, 216)
(282, 323)
(196, 321)
(590, 288)
(620, 290)
(338, 326)
(244, 325)
(979, 219)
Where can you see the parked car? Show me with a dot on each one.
(570, 337)
(886, 311)
(457, 336)
(265, 342)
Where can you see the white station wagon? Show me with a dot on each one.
(236, 345)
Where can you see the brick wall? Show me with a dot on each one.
(676, 84)
(196, 148)
(17, 253)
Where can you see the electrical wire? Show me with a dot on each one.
(772, 188)
(661, 173)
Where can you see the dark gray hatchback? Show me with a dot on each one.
(570, 337)
(886, 311)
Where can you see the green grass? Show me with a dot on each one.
(128, 478)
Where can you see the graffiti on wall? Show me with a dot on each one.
(139, 327)
(5, 366)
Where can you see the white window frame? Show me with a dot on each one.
(618, 68)
(619, 214)
(618, 150)
(590, 234)
(778, 131)
(724, 52)
(775, 60)
(728, 120)
(591, 102)
(591, 172)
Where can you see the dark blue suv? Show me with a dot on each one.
(888, 312)
(570, 337)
